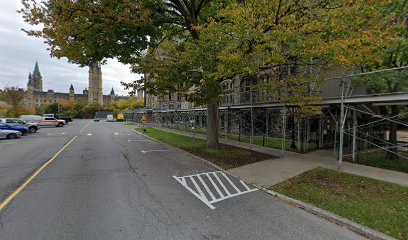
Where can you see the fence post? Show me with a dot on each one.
(267, 124)
(263, 139)
(239, 126)
(251, 140)
(283, 132)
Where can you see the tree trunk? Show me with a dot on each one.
(212, 125)
(393, 134)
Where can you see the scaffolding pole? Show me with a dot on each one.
(353, 153)
(341, 132)
(283, 132)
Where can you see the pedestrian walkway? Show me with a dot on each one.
(270, 172)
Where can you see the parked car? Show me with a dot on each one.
(43, 121)
(30, 118)
(21, 129)
(120, 117)
(109, 118)
(9, 134)
(66, 119)
(32, 127)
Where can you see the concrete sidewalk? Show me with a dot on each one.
(270, 172)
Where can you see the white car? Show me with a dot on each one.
(9, 134)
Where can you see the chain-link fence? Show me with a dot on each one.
(361, 115)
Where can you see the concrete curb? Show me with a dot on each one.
(352, 226)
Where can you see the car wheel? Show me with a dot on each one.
(32, 129)
(60, 125)
(12, 136)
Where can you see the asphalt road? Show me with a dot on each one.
(111, 183)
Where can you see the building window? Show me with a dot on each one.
(227, 88)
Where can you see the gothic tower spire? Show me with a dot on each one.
(30, 82)
(37, 79)
(71, 92)
(95, 94)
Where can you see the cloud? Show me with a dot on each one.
(19, 52)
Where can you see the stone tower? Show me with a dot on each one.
(112, 95)
(71, 93)
(36, 79)
(95, 94)
(30, 82)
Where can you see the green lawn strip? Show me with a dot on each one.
(226, 156)
(129, 123)
(376, 204)
(380, 160)
(275, 143)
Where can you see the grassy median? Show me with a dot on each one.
(372, 203)
(226, 156)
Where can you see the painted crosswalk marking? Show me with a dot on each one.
(158, 150)
(212, 187)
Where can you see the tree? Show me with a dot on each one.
(188, 68)
(90, 31)
(86, 32)
(14, 97)
(296, 42)
(394, 56)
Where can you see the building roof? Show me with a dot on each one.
(72, 87)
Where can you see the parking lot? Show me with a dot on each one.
(19, 157)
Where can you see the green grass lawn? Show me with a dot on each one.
(372, 203)
(380, 160)
(130, 123)
(270, 142)
(226, 156)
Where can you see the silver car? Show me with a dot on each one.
(10, 134)
(32, 127)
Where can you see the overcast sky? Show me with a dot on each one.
(18, 53)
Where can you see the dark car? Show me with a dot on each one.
(67, 119)
(22, 129)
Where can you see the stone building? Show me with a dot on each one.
(35, 96)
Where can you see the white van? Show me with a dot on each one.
(109, 118)
(30, 118)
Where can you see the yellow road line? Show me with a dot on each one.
(31, 178)
(83, 129)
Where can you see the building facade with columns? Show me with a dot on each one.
(35, 95)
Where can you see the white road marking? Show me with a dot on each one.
(89, 134)
(116, 133)
(63, 133)
(159, 150)
(134, 140)
(213, 177)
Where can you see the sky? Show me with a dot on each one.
(19, 52)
